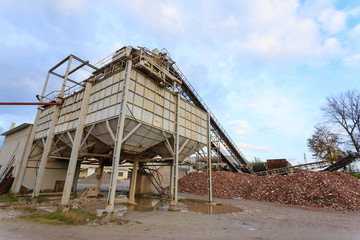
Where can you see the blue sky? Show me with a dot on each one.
(264, 67)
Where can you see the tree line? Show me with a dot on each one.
(340, 130)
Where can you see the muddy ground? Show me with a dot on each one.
(255, 220)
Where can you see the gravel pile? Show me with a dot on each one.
(333, 190)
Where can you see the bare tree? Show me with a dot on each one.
(343, 111)
(325, 144)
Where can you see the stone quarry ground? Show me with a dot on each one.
(253, 219)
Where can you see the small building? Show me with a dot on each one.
(13, 148)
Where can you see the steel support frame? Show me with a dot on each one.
(65, 200)
(117, 148)
(49, 139)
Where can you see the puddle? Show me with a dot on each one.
(158, 205)
(205, 208)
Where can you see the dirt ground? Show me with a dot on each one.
(257, 220)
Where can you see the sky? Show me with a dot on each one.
(264, 67)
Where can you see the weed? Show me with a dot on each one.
(73, 217)
(8, 198)
(43, 199)
(356, 175)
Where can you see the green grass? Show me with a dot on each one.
(8, 198)
(71, 217)
(43, 199)
(356, 175)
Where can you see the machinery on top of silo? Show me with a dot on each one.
(135, 107)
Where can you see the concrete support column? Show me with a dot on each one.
(27, 151)
(76, 177)
(209, 159)
(65, 200)
(46, 151)
(119, 137)
(133, 183)
(171, 193)
(174, 200)
(100, 176)
(50, 136)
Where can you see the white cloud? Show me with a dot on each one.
(241, 126)
(355, 32)
(258, 148)
(353, 60)
(332, 21)
(19, 38)
(275, 29)
(159, 15)
(66, 7)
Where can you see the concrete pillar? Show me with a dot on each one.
(119, 136)
(65, 200)
(49, 139)
(100, 176)
(209, 159)
(25, 157)
(76, 177)
(133, 182)
(174, 201)
(171, 192)
(44, 157)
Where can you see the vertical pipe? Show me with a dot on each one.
(209, 159)
(65, 200)
(25, 158)
(117, 148)
(174, 201)
(133, 182)
(50, 137)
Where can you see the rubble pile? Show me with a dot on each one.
(333, 190)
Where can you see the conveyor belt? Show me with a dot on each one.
(237, 161)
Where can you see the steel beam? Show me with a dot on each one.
(110, 131)
(131, 132)
(87, 135)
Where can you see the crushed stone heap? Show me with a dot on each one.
(334, 190)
